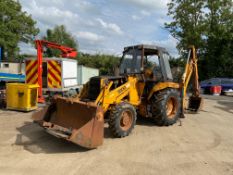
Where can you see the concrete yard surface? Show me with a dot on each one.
(198, 144)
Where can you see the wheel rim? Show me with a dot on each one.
(171, 107)
(126, 120)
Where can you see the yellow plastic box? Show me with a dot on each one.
(22, 97)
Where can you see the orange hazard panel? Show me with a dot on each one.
(54, 74)
(31, 72)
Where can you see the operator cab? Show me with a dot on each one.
(150, 60)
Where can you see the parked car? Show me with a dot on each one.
(225, 83)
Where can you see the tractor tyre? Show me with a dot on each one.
(166, 107)
(122, 119)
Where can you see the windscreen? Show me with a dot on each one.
(131, 62)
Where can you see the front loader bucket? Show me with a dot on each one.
(79, 122)
(195, 103)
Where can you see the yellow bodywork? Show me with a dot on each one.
(163, 85)
(129, 92)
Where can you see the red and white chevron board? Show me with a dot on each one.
(31, 72)
(54, 74)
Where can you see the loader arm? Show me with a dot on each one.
(191, 71)
(108, 97)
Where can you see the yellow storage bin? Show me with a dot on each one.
(22, 97)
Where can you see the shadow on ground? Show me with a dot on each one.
(35, 140)
(226, 106)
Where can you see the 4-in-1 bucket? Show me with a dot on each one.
(76, 121)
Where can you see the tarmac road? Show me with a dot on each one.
(199, 144)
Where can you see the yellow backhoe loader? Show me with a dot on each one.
(143, 87)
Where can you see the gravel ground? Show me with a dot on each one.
(199, 144)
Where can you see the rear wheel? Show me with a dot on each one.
(166, 107)
(122, 119)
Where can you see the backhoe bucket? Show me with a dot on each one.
(195, 103)
(79, 122)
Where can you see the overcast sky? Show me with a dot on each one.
(104, 26)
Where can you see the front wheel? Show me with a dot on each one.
(122, 119)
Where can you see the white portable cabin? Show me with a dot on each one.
(85, 73)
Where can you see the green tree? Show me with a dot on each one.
(188, 22)
(15, 26)
(208, 25)
(105, 63)
(219, 47)
(59, 35)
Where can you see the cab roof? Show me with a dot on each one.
(148, 49)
